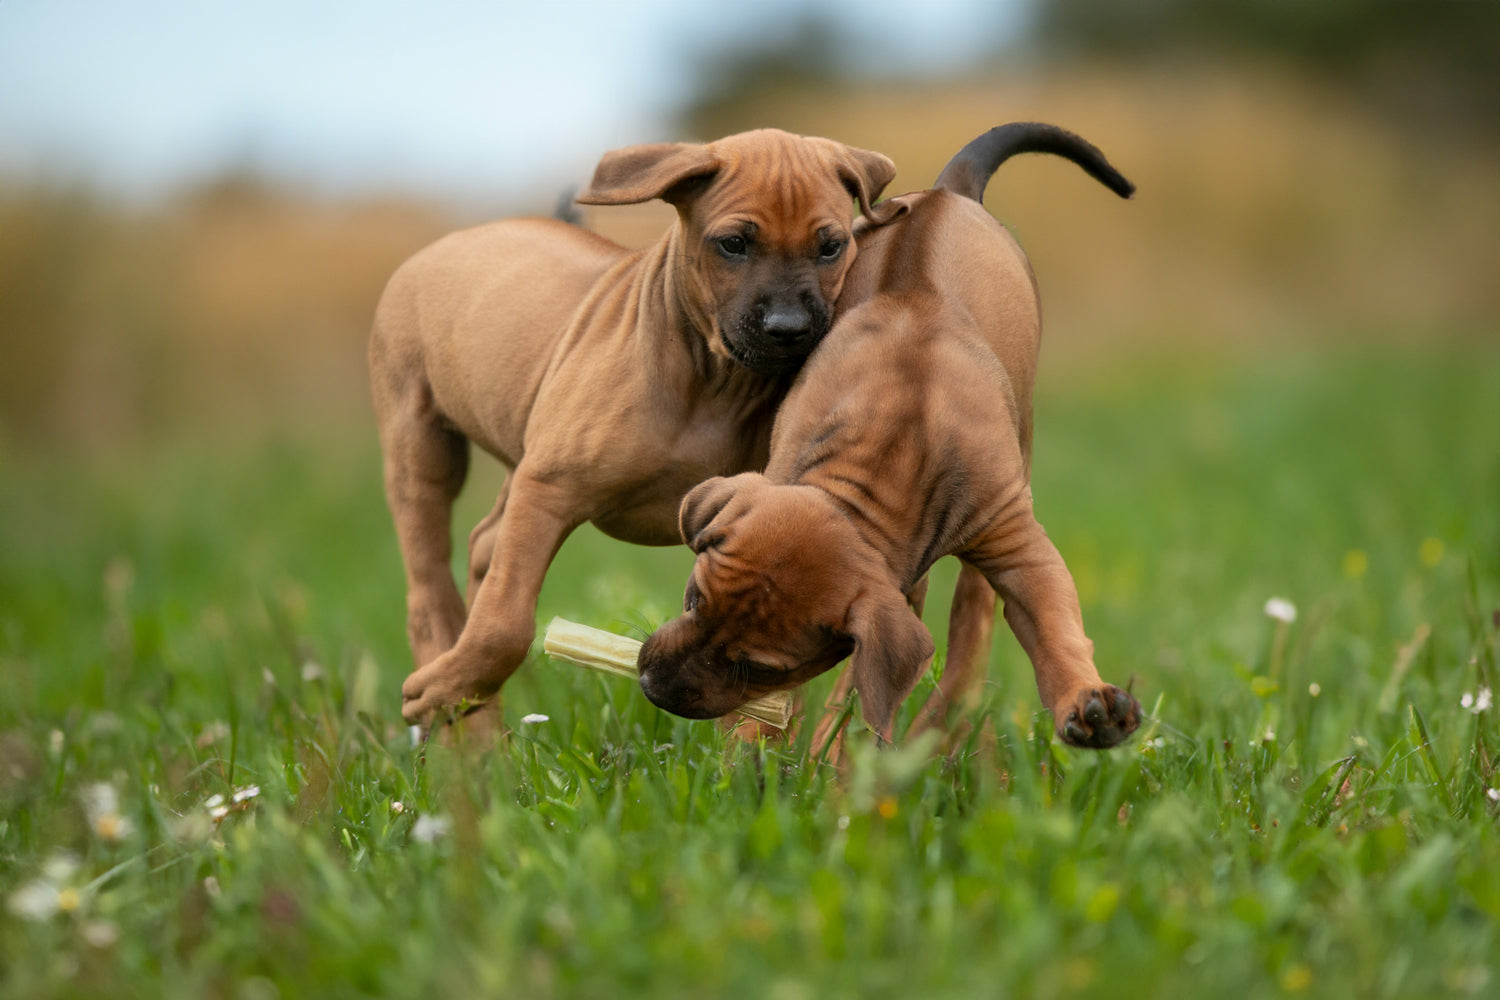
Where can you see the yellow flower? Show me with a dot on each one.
(887, 808)
(1296, 979)
(1356, 563)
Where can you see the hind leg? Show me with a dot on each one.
(482, 544)
(425, 465)
(970, 625)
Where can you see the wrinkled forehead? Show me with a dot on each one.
(785, 184)
(760, 575)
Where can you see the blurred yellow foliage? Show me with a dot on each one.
(1271, 214)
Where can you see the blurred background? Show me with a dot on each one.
(199, 203)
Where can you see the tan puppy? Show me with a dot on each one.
(907, 437)
(608, 381)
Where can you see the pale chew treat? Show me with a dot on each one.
(616, 654)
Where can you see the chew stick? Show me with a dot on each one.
(617, 654)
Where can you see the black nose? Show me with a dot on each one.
(649, 687)
(786, 320)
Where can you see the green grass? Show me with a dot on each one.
(188, 621)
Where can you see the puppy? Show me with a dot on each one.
(609, 382)
(906, 437)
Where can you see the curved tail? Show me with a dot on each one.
(969, 172)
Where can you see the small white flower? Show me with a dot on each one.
(1315, 689)
(49, 894)
(192, 827)
(311, 671)
(1269, 736)
(246, 794)
(533, 719)
(1493, 794)
(398, 808)
(1281, 609)
(59, 867)
(216, 807)
(211, 734)
(100, 933)
(99, 798)
(843, 822)
(1482, 701)
(430, 828)
(211, 886)
(37, 900)
(102, 806)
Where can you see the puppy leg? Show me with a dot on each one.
(425, 466)
(970, 624)
(482, 544)
(828, 742)
(1041, 607)
(502, 616)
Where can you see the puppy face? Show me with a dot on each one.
(766, 223)
(782, 590)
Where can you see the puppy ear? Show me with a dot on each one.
(865, 174)
(704, 503)
(891, 650)
(639, 173)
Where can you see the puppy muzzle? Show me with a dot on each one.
(777, 336)
(673, 679)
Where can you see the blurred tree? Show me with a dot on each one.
(1429, 63)
(1432, 60)
(812, 54)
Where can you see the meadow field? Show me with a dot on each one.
(1268, 445)
(206, 789)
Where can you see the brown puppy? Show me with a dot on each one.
(906, 437)
(609, 382)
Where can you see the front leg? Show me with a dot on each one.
(502, 613)
(970, 623)
(1041, 607)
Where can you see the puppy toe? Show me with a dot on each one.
(1099, 717)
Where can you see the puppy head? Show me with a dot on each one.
(766, 223)
(782, 589)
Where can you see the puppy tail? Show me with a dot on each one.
(969, 172)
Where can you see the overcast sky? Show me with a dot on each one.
(448, 97)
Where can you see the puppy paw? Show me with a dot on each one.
(443, 689)
(1097, 717)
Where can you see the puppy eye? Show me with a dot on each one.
(831, 249)
(734, 246)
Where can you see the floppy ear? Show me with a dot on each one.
(865, 174)
(891, 650)
(639, 173)
(703, 505)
